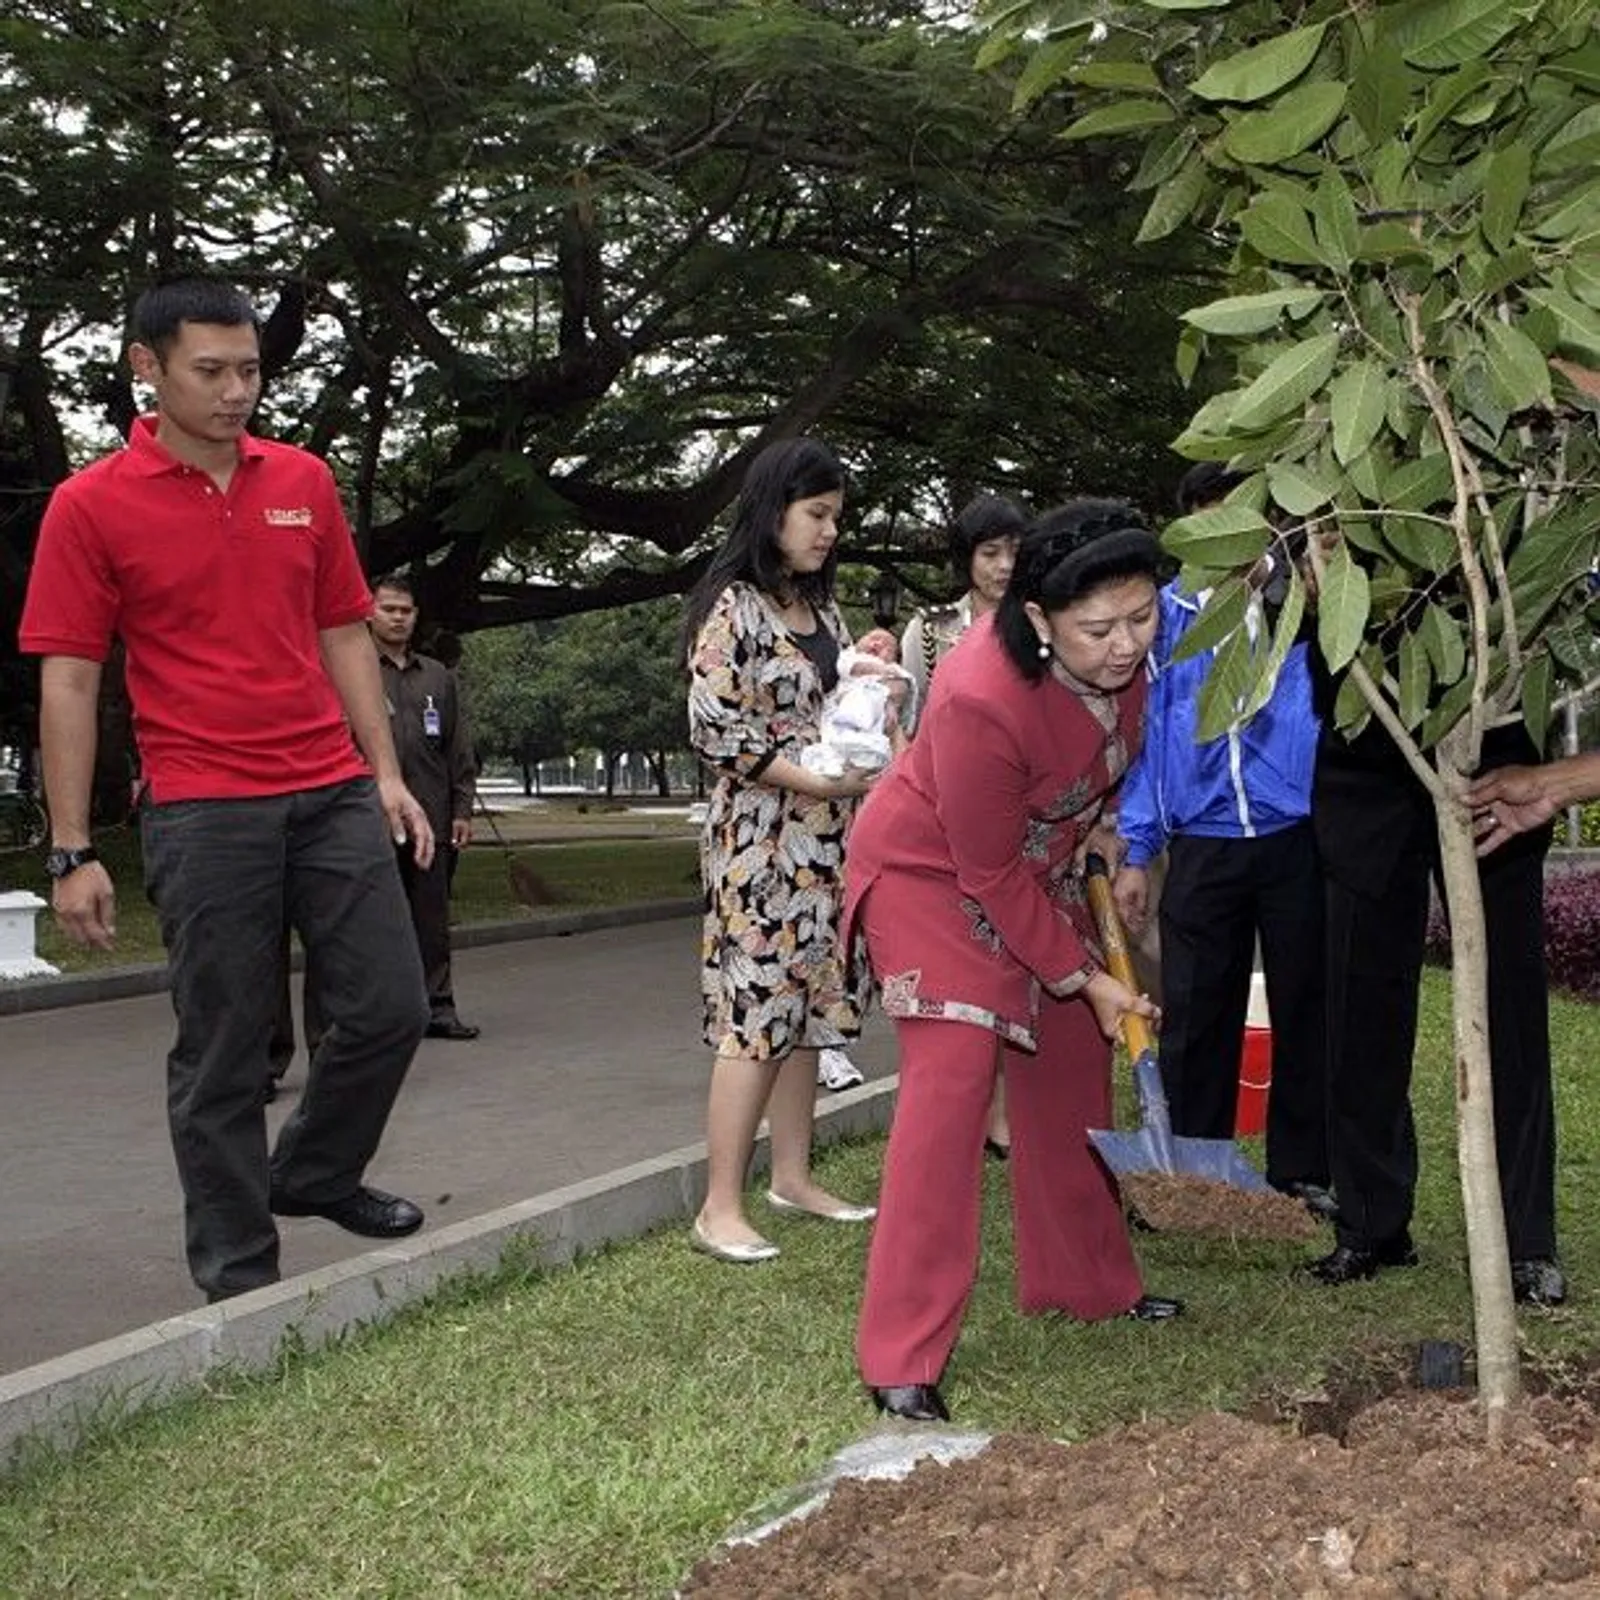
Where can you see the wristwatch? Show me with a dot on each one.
(58, 863)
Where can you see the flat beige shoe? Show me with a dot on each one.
(743, 1255)
(840, 1213)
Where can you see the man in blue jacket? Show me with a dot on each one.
(1233, 816)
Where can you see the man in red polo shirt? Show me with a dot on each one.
(226, 566)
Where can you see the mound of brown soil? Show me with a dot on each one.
(1172, 1204)
(1409, 1502)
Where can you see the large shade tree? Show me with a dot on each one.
(542, 274)
(1411, 194)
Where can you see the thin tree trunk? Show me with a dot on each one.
(1489, 1258)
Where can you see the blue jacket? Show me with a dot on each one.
(1253, 781)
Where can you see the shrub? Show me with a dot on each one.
(1571, 920)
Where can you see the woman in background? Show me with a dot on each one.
(762, 639)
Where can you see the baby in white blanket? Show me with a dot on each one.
(863, 709)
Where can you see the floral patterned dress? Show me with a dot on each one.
(773, 977)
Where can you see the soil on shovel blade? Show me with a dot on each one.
(1170, 1203)
(1353, 1493)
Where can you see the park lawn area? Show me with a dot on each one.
(592, 1431)
(602, 872)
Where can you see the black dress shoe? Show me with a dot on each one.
(1538, 1281)
(1155, 1308)
(912, 1402)
(452, 1028)
(1352, 1263)
(1317, 1198)
(997, 1151)
(369, 1212)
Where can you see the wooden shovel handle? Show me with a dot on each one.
(1135, 1032)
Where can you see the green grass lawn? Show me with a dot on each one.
(591, 1432)
(599, 873)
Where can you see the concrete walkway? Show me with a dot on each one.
(589, 1061)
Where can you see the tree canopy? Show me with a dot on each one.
(540, 275)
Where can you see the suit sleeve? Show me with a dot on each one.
(981, 778)
(463, 764)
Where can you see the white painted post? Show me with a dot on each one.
(18, 909)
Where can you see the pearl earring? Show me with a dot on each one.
(1044, 650)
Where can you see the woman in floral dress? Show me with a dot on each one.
(763, 637)
(965, 874)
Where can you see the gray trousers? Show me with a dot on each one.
(223, 874)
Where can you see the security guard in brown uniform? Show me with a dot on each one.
(429, 726)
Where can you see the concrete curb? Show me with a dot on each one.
(55, 1404)
(121, 983)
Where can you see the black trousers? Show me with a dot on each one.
(1375, 951)
(428, 893)
(1221, 896)
(222, 874)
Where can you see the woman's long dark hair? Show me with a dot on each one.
(790, 470)
(1067, 554)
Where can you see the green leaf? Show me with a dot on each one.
(1577, 325)
(1451, 708)
(1351, 713)
(1285, 634)
(1412, 671)
(1447, 33)
(1515, 265)
(1505, 188)
(1440, 634)
(1419, 483)
(1046, 67)
(1173, 203)
(1583, 279)
(1446, 95)
(1344, 600)
(1220, 538)
(1517, 368)
(1298, 121)
(1191, 345)
(1136, 75)
(1380, 94)
(1123, 116)
(1428, 546)
(1389, 240)
(1223, 612)
(1287, 383)
(1253, 313)
(1226, 688)
(1356, 404)
(1577, 214)
(1334, 212)
(1536, 695)
(1576, 144)
(1296, 489)
(1280, 230)
(1263, 69)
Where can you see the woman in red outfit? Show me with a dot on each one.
(964, 871)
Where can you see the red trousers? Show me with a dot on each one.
(1072, 1244)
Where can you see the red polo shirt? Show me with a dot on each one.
(219, 600)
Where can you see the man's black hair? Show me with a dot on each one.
(1204, 484)
(397, 581)
(160, 312)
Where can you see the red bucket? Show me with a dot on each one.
(1255, 1080)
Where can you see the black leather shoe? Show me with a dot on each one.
(452, 1028)
(1155, 1308)
(1317, 1198)
(1351, 1264)
(369, 1212)
(912, 1402)
(996, 1151)
(1538, 1281)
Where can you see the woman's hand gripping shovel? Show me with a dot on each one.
(1153, 1149)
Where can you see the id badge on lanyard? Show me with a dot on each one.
(432, 723)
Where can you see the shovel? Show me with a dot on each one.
(1153, 1148)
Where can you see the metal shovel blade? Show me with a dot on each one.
(1154, 1148)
